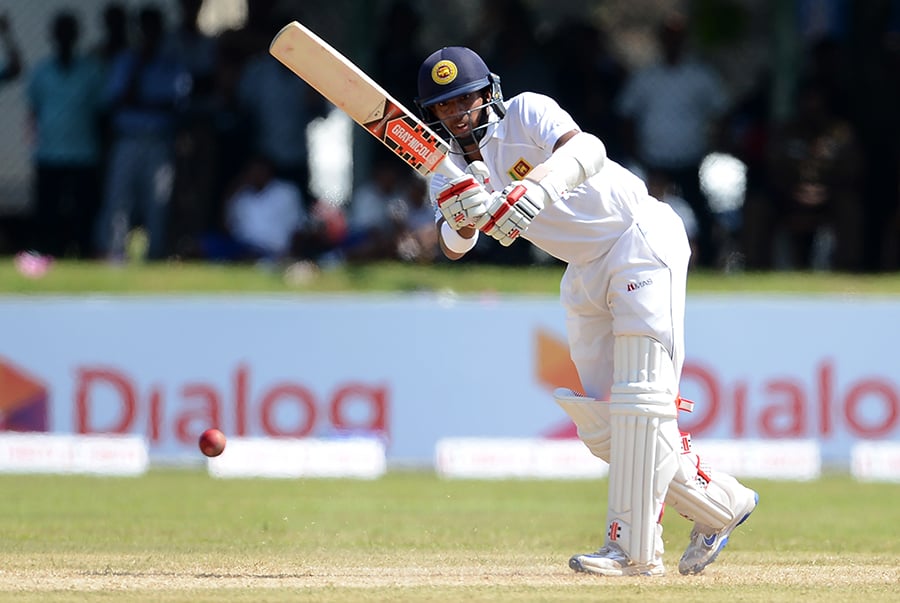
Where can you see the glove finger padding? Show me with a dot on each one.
(509, 227)
(463, 201)
(512, 211)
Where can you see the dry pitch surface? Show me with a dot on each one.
(405, 576)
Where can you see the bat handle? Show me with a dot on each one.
(448, 169)
(479, 170)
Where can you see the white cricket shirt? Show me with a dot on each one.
(583, 225)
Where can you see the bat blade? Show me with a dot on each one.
(347, 87)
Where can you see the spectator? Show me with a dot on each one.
(508, 38)
(890, 247)
(280, 107)
(816, 172)
(878, 126)
(660, 188)
(671, 112)
(263, 217)
(829, 64)
(195, 153)
(395, 55)
(192, 48)
(416, 239)
(747, 138)
(262, 21)
(374, 208)
(64, 108)
(231, 135)
(891, 236)
(390, 217)
(322, 235)
(13, 59)
(10, 67)
(144, 91)
(114, 41)
(589, 78)
(114, 38)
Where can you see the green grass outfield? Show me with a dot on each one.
(95, 277)
(181, 536)
(178, 535)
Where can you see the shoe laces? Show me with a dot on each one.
(613, 551)
(701, 535)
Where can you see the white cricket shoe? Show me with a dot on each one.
(707, 543)
(611, 560)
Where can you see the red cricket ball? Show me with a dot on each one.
(212, 442)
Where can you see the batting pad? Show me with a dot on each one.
(711, 506)
(591, 418)
(645, 444)
(709, 503)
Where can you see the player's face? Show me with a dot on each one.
(460, 114)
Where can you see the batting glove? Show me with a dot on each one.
(512, 211)
(463, 201)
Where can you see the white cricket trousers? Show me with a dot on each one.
(637, 288)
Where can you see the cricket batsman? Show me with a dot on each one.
(532, 173)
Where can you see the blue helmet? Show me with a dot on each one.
(453, 71)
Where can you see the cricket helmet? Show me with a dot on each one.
(453, 71)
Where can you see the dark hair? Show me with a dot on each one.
(64, 26)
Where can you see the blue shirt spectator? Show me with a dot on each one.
(144, 91)
(63, 95)
(147, 90)
(65, 104)
(280, 106)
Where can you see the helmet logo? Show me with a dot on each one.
(444, 72)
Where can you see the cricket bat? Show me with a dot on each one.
(346, 86)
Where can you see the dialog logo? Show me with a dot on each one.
(554, 368)
(24, 400)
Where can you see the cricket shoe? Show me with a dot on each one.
(707, 543)
(611, 560)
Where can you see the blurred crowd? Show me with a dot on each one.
(199, 143)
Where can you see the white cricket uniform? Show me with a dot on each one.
(627, 253)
